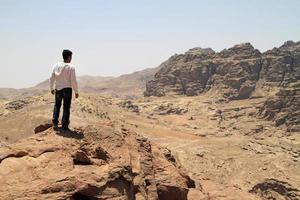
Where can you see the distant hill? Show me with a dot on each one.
(125, 85)
(7, 93)
(129, 85)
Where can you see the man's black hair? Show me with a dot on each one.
(66, 53)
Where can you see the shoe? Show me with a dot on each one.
(55, 127)
(65, 128)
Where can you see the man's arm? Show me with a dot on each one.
(52, 79)
(74, 82)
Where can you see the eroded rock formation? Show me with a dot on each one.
(233, 73)
(284, 107)
(275, 189)
(90, 163)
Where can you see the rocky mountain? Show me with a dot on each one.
(233, 73)
(239, 72)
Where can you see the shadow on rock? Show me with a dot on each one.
(42, 128)
(70, 133)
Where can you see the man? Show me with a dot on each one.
(64, 79)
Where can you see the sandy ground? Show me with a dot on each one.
(227, 148)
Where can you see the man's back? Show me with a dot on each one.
(63, 76)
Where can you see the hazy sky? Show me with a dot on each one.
(113, 37)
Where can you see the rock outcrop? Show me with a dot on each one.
(281, 66)
(275, 189)
(90, 163)
(129, 105)
(182, 74)
(284, 107)
(166, 109)
(232, 73)
(17, 104)
(281, 73)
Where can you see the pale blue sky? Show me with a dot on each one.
(113, 37)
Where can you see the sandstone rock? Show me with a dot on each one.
(281, 66)
(167, 153)
(275, 189)
(52, 166)
(81, 158)
(167, 109)
(293, 128)
(233, 73)
(101, 153)
(170, 192)
(129, 105)
(42, 127)
(17, 104)
(284, 107)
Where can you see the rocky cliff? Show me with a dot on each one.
(90, 163)
(233, 73)
(284, 107)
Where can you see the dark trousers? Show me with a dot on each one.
(64, 95)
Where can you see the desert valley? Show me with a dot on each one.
(203, 125)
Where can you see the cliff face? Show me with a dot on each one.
(284, 107)
(281, 66)
(233, 73)
(281, 70)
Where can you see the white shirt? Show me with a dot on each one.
(63, 76)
